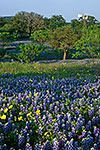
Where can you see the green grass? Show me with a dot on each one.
(58, 70)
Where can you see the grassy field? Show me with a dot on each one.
(58, 70)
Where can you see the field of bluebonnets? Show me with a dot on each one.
(49, 107)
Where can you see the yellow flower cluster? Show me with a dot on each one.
(30, 80)
(3, 117)
(29, 114)
(11, 106)
(20, 118)
(35, 94)
(38, 112)
(5, 110)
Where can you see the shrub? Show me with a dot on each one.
(2, 52)
(29, 52)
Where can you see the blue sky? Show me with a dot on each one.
(69, 9)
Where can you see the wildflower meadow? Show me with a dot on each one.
(43, 111)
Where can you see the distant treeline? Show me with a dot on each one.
(82, 35)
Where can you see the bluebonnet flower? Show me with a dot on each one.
(87, 142)
(55, 144)
(91, 112)
(56, 127)
(38, 147)
(47, 146)
(28, 147)
(67, 125)
(21, 141)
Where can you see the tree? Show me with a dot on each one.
(63, 38)
(55, 21)
(78, 25)
(4, 20)
(25, 23)
(89, 43)
(35, 22)
(40, 36)
(5, 38)
(19, 24)
(91, 20)
(29, 51)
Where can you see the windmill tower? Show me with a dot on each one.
(84, 16)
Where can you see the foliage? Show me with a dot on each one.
(78, 25)
(91, 20)
(29, 51)
(35, 22)
(5, 37)
(89, 43)
(62, 37)
(50, 54)
(55, 21)
(18, 24)
(4, 21)
(25, 23)
(2, 52)
(40, 35)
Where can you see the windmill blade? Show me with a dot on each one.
(79, 15)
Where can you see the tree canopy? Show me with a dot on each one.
(63, 38)
(89, 43)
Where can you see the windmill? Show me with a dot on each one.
(84, 16)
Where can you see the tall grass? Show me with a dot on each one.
(58, 70)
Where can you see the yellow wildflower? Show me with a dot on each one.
(11, 106)
(20, 118)
(45, 133)
(29, 114)
(52, 77)
(3, 117)
(15, 118)
(38, 112)
(5, 110)
(30, 94)
(35, 94)
(78, 74)
(30, 80)
(20, 113)
(53, 120)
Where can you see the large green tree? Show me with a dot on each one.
(91, 20)
(55, 21)
(41, 36)
(25, 23)
(5, 38)
(4, 20)
(63, 38)
(89, 44)
(35, 22)
(29, 52)
(19, 24)
(78, 25)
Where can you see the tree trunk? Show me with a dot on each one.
(64, 57)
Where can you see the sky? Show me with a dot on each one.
(69, 9)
